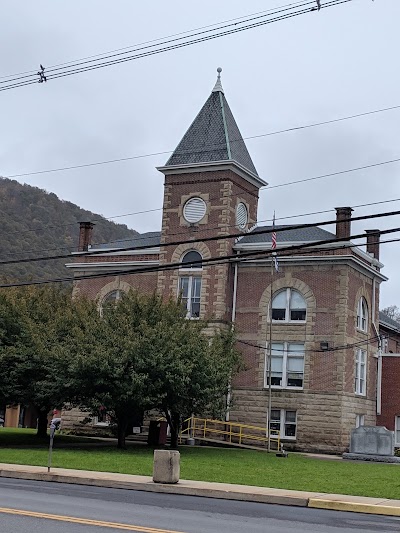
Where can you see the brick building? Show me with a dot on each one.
(389, 393)
(316, 318)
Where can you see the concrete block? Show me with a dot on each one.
(166, 466)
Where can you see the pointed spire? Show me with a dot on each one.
(218, 84)
(213, 137)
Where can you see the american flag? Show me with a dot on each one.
(273, 245)
(273, 237)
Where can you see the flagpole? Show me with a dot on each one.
(274, 264)
(270, 360)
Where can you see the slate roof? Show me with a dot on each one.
(384, 320)
(213, 136)
(289, 235)
(149, 239)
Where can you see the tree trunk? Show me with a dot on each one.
(122, 424)
(175, 425)
(42, 424)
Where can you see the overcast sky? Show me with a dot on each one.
(324, 65)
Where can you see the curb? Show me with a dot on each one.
(260, 495)
(314, 500)
(366, 508)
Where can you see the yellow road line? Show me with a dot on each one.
(85, 521)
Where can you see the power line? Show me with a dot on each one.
(100, 55)
(278, 230)
(145, 236)
(232, 258)
(177, 45)
(333, 349)
(207, 147)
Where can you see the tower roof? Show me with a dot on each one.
(213, 136)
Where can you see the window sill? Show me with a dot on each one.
(360, 394)
(291, 322)
(101, 424)
(365, 332)
(276, 387)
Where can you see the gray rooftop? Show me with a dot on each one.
(213, 136)
(286, 236)
(149, 240)
(384, 320)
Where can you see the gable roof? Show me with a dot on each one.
(149, 239)
(388, 322)
(213, 136)
(286, 236)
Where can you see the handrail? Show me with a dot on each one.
(202, 428)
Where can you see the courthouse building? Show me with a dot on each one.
(322, 324)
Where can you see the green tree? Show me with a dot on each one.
(35, 355)
(142, 354)
(190, 371)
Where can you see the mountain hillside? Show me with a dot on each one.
(37, 223)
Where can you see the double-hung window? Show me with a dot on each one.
(360, 420)
(287, 365)
(360, 372)
(288, 305)
(283, 423)
(362, 315)
(190, 283)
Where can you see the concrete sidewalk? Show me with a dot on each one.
(337, 502)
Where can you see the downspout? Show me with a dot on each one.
(379, 365)
(234, 296)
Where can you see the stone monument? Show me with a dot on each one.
(372, 443)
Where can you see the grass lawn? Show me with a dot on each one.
(246, 467)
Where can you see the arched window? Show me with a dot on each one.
(362, 315)
(111, 299)
(192, 260)
(190, 283)
(289, 305)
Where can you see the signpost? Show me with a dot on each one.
(55, 424)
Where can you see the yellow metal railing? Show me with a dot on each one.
(229, 432)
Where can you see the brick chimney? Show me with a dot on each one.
(85, 236)
(343, 223)
(373, 242)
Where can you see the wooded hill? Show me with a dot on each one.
(37, 223)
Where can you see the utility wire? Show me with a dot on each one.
(107, 54)
(207, 147)
(91, 253)
(175, 46)
(232, 258)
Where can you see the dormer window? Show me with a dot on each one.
(190, 283)
(289, 305)
(362, 315)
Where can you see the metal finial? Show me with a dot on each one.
(218, 85)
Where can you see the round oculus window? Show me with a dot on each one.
(194, 210)
(241, 215)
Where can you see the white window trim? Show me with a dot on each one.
(287, 312)
(362, 377)
(284, 365)
(282, 424)
(189, 298)
(360, 420)
(362, 315)
(396, 430)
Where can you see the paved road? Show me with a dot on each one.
(162, 513)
